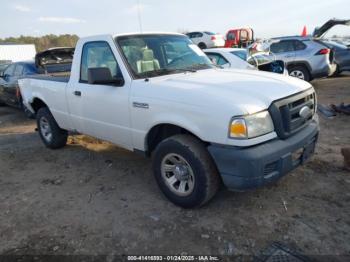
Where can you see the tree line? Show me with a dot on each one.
(43, 42)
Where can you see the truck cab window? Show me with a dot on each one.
(98, 54)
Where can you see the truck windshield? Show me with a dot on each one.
(155, 55)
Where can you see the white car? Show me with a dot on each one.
(158, 94)
(240, 59)
(205, 39)
(226, 58)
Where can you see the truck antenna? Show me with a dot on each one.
(139, 14)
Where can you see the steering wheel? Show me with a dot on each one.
(179, 58)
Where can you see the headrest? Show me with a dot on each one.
(147, 55)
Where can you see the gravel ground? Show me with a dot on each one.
(93, 198)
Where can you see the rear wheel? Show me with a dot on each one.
(202, 45)
(185, 172)
(300, 72)
(51, 134)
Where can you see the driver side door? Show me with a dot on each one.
(100, 110)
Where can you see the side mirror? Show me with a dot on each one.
(2, 74)
(103, 76)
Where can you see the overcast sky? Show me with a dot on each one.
(82, 17)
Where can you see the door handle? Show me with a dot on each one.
(77, 93)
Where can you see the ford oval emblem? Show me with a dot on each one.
(305, 112)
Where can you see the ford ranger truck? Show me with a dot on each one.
(158, 94)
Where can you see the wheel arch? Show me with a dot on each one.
(300, 63)
(162, 131)
(37, 103)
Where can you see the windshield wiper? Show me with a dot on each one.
(198, 66)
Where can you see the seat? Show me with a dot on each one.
(148, 63)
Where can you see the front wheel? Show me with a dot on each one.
(299, 72)
(185, 172)
(50, 133)
(202, 45)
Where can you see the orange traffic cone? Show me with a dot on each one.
(304, 33)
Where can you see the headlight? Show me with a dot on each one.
(251, 126)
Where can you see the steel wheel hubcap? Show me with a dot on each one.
(45, 129)
(298, 74)
(177, 174)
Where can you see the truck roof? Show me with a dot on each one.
(128, 34)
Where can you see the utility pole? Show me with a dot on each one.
(139, 14)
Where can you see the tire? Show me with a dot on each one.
(300, 72)
(50, 133)
(202, 45)
(192, 162)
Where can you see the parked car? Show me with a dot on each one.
(224, 58)
(202, 125)
(341, 56)
(206, 39)
(3, 67)
(304, 57)
(239, 58)
(9, 90)
(241, 37)
(52, 61)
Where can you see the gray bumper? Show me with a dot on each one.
(247, 168)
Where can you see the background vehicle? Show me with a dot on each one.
(9, 90)
(240, 59)
(341, 56)
(305, 58)
(205, 39)
(3, 67)
(241, 37)
(224, 58)
(16, 52)
(53, 61)
(159, 94)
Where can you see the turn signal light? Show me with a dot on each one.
(238, 129)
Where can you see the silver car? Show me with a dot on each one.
(304, 57)
(307, 57)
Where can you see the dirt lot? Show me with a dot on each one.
(94, 198)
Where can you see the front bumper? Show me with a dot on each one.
(252, 167)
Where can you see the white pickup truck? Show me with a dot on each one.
(159, 94)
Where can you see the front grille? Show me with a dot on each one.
(286, 115)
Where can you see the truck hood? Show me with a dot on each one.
(245, 91)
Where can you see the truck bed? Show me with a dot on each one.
(57, 77)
